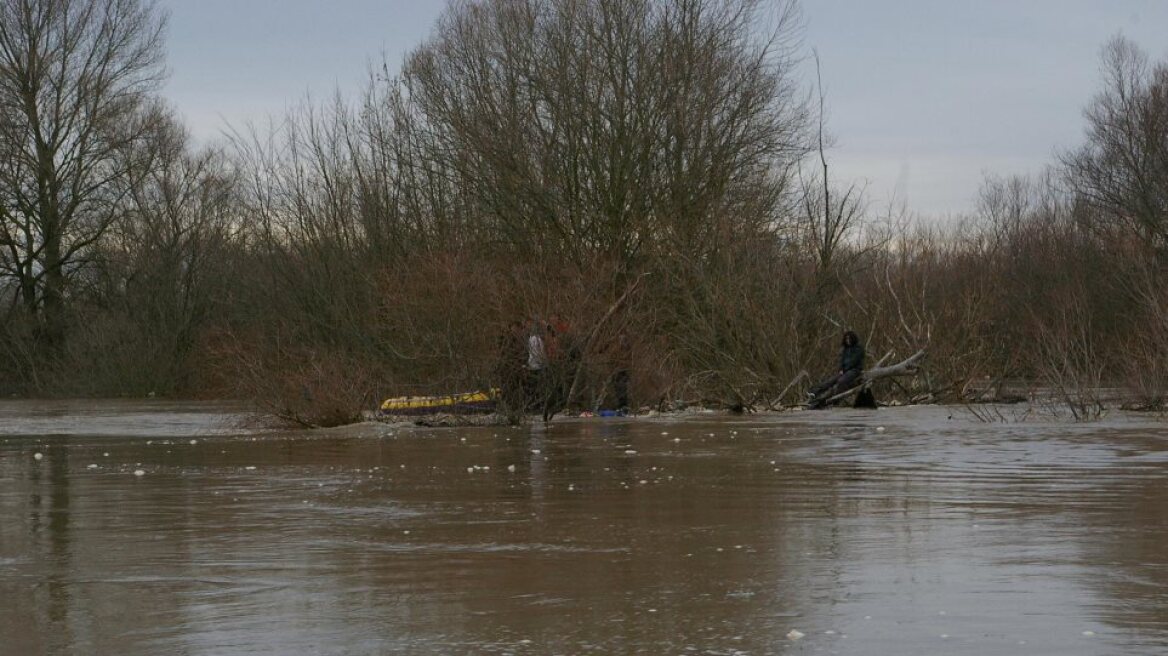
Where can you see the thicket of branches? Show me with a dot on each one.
(539, 158)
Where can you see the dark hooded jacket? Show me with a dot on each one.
(852, 355)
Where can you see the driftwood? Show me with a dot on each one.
(774, 405)
(905, 367)
(902, 368)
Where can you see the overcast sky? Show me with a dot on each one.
(923, 95)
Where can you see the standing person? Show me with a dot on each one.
(536, 365)
(851, 365)
(511, 367)
(563, 356)
(623, 363)
(558, 337)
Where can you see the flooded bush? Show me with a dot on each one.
(304, 387)
(402, 242)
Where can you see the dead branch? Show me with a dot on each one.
(905, 367)
(774, 405)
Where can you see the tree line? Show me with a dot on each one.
(535, 158)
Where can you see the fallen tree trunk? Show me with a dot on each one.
(908, 366)
(902, 368)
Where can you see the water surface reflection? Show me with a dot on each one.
(713, 535)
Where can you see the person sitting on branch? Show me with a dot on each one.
(851, 365)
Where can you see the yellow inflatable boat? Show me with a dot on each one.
(464, 403)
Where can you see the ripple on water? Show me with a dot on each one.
(745, 529)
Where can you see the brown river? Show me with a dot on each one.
(151, 528)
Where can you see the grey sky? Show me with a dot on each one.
(923, 95)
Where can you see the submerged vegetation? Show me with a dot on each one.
(648, 169)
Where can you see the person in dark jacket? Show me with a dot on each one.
(851, 366)
(510, 368)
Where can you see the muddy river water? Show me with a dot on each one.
(161, 528)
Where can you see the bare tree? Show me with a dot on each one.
(582, 127)
(162, 266)
(75, 79)
(827, 220)
(1121, 173)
